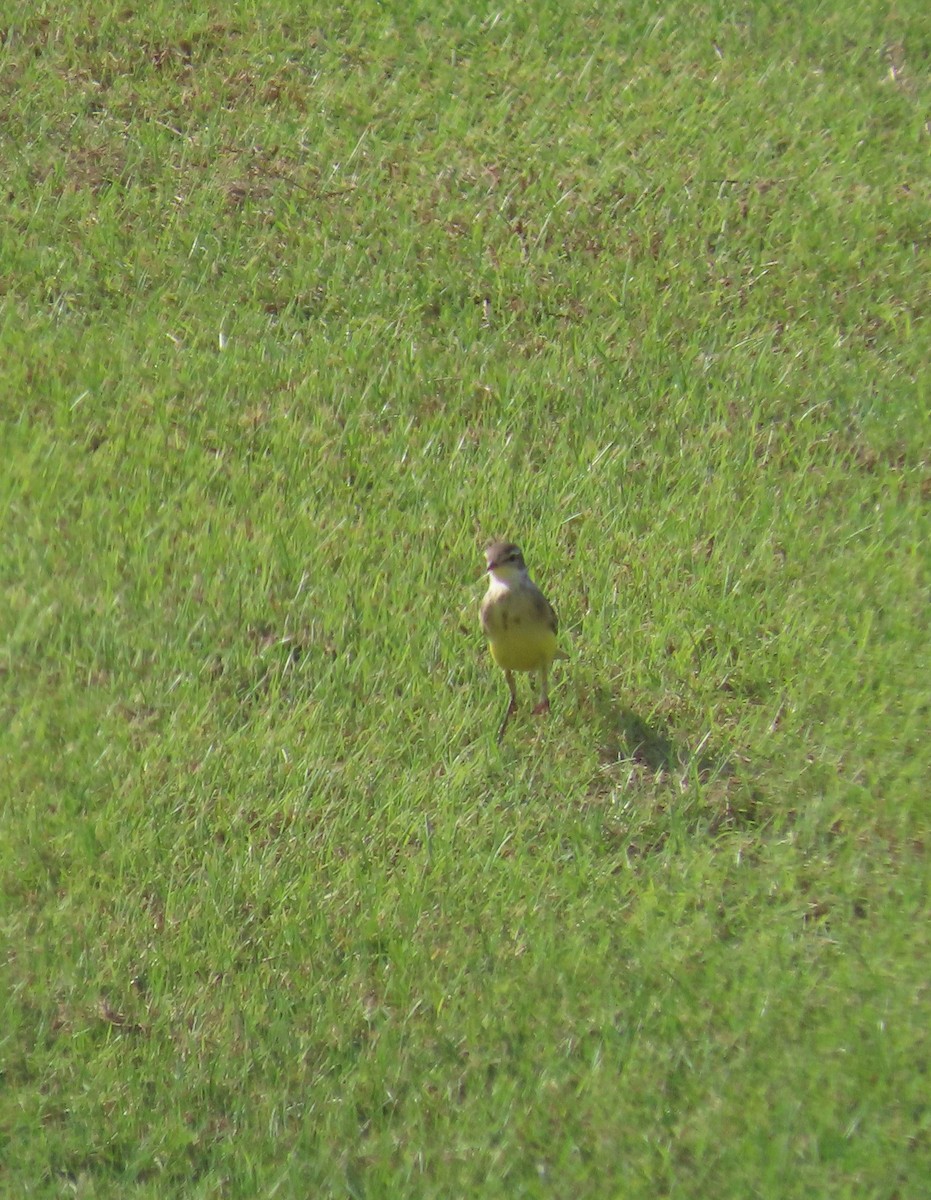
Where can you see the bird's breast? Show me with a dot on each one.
(520, 641)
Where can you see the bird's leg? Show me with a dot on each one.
(512, 706)
(544, 704)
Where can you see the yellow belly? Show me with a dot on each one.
(519, 650)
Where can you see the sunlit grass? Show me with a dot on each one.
(298, 311)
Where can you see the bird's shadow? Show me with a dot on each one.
(651, 745)
(659, 760)
(628, 735)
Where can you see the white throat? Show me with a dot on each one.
(507, 576)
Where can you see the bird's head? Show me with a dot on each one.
(504, 561)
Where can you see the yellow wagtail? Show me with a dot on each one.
(519, 622)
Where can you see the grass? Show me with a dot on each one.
(298, 309)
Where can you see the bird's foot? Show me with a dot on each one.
(542, 707)
(512, 708)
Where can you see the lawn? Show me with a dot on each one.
(300, 305)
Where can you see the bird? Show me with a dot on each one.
(519, 622)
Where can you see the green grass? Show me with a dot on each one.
(296, 311)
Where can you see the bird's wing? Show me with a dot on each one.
(485, 615)
(545, 611)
